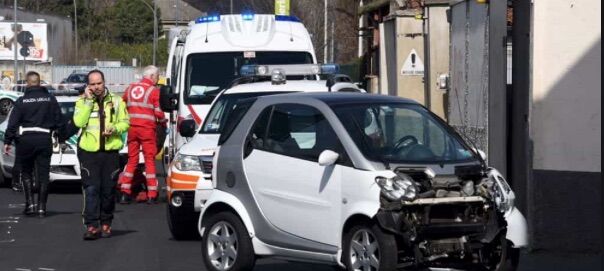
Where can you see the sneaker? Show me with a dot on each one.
(106, 231)
(125, 199)
(91, 234)
(152, 201)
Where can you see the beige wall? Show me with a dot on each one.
(566, 109)
(439, 56)
(409, 37)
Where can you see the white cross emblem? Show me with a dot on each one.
(138, 92)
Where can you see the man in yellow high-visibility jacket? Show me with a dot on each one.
(103, 117)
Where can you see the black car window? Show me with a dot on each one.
(257, 135)
(234, 118)
(300, 131)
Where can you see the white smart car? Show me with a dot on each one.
(364, 182)
(189, 178)
(64, 164)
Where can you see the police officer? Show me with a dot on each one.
(142, 99)
(103, 118)
(32, 120)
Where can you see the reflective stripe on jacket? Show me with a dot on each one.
(86, 116)
(142, 99)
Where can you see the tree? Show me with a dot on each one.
(133, 21)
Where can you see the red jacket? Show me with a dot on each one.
(142, 99)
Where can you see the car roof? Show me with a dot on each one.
(289, 86)
(66, 99)
(339, 98)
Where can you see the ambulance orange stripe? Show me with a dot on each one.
(184, 177)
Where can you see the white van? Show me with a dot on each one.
(209, 53)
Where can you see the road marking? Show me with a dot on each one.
(16, 205)
(10, 221)
(46, 269)
(22, 269)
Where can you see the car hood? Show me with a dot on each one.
(201, 145)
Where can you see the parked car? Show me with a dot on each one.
(73, 82)
(364, 182)
(8, 97)
(189, 177)
(64, 165)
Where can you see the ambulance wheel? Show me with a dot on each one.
(182, 224)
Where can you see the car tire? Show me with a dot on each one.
(217, 228)
(4, 182)
(510, 257)
(182, 227)
(365, 237)
(5, 106)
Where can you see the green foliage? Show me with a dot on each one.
(143, 52)
(133, 21)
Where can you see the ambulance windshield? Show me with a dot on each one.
(210, 73)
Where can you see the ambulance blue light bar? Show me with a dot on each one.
(290, 70)
(208, 19)
(283, 18)
(247, 16)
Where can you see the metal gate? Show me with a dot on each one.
(469, 95)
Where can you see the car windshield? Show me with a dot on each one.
(210, 73)
(402, 133)
(223, 107)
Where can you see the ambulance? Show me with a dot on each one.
(207, 56)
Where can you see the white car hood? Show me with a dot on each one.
(201, 145)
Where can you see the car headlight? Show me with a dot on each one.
(397, 188)
(503, 195)
(187, 163)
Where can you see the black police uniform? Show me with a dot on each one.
(33, 118)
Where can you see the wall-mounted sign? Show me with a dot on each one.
(413, 66)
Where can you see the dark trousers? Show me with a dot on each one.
(99, 180)
(33, 152)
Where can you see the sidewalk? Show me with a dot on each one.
(546, 260)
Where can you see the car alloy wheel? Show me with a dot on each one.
(364, 251)
(222, 245)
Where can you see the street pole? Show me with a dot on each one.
(15, 44)
(154, 31)
(325, 49)
(231, 6)
(177, 12)
(75, 14)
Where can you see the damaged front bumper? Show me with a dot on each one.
(432, 229)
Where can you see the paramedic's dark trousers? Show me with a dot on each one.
(99, 180)
(33, 152)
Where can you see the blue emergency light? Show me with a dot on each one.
(283, 18)
(208, 19)
(247, 16)
(290, 70)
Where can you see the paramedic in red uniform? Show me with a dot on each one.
(142, 99)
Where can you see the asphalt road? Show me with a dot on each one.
(141, 239)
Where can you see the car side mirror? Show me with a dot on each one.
(167, 99)
(328, 158)
(187, 128)
(482, 154)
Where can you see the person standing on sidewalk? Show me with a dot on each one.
(142, 99)
(31, 123)
(103, 118)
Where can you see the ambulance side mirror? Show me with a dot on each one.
(187, 128)
(167, 99)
